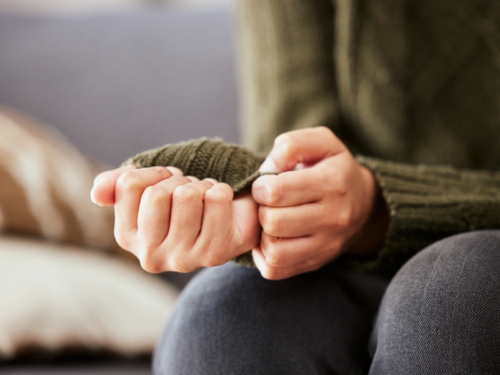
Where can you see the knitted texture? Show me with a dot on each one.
(414, 84)
(429, 203)
(400, 85)
(207, 158)
(286, 68)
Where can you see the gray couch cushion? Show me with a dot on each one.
(119, 84)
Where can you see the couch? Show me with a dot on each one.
(115, 85)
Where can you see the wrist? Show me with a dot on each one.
(371, 237)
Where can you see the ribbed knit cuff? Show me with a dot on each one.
(429, 203)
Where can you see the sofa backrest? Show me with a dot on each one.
(118, 84)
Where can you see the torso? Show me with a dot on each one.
(420, 79)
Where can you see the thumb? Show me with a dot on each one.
(246, 220)
(304, 146)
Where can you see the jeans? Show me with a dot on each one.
(440, 314)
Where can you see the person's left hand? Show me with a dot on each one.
(329, 205)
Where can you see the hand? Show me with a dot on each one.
(176, 223)
(329, 205)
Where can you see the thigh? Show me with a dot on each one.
(441, 312)
(230, 320)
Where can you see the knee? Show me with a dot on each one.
(463, 266)
(444, 297)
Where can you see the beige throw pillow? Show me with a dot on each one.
(45, 186)
(57, 297)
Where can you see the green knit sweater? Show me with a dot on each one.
(413, 85)
(204, 158)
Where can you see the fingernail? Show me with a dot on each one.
(259, 187)
(97, 180)
(92, 191)
(92, 195)
(265, 179)
(175, 171)
(268, 166)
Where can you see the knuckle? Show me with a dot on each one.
(219, 193)
(128, 181)
(162, 171)
(338, 183)
(273, 191)
(327, 132)
(205, 184)
(175, 171)
(186, 194)
(215, 196)
(149, 264)
(271, 222)
(343, 219)
(178, 265)
(341, 188)
(180, 179)
(228, 190)
(287, 144)
(275, 258)
(154, 195)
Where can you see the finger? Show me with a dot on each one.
(129, 188)
(217, 225)
(290, 188)
(103, 191)
(212, 180)
(246, 221)
(186, 214)
(200, 186)
(193, 178)
(175, 171)
(275, 273)
(294, 221)
(286, 252)
(154, 211)
(305, 146)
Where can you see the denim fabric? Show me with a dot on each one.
(439, 315)
(441, 312)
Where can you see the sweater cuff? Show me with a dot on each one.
(429, 203)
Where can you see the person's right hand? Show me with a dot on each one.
(176, 223)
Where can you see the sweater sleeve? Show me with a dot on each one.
(286, 67)
(429, 203)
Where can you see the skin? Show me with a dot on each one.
(322, 205)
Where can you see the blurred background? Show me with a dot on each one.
(85, 84)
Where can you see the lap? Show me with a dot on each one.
(230, 320)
